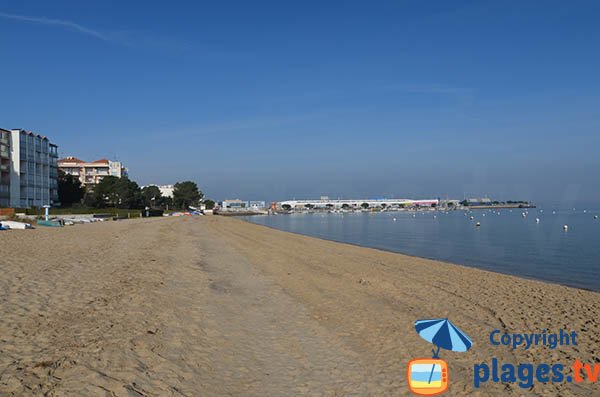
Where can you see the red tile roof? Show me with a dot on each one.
(71, 159)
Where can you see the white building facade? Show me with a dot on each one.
(166, 190)
(5, 167)
(30, 176)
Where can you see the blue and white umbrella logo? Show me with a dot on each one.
(443, 334)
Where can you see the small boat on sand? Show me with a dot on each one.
(15, 225)
(49, 223)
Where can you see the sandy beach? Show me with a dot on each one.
(212, 306)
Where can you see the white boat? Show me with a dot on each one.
(16, 225)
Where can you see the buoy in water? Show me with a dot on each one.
(595, 216)
(478, 224)
(565, 227)
(394, 219)
(471, 218)
(537, 220)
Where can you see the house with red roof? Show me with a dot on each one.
(91, 172)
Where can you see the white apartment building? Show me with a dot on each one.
(166, 190)
(4, 168)
(91, 173)
(28, 169)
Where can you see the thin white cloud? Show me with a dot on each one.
(56, 22)
(127, 38)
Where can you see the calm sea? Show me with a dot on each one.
(505, 242)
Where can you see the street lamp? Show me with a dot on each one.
(47, 211)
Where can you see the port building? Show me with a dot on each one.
(356, 203)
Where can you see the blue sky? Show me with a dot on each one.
(274, 100)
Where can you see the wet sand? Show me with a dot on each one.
(216, 306)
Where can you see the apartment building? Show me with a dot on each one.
(91, 173)
(28, 169)
(4, 168)
(165, 190)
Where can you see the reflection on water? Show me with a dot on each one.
(506, 241)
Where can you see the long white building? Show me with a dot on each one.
(356, 203)
(28, 169)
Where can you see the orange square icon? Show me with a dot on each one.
(427, 376)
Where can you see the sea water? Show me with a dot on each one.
(507, 241)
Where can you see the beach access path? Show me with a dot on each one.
(211, 306)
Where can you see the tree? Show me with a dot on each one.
(70, 190)
(105, 193)
(166, 202)
(345, 206)
(151, 196)
(186, 194)
(210, 204)
(309, 206)
(286, 207)
(129, 194)
(365, 205)
(115, 192)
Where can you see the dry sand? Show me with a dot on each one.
(216, 306)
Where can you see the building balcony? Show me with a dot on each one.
(4, 167)
(4, 141)
(5, 154)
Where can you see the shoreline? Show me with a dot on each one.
(220, 306)
(462, 265)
